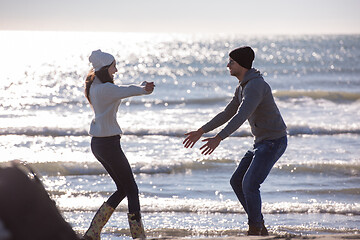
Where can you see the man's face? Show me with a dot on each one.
(234, 68)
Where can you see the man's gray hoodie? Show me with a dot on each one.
(253, 101)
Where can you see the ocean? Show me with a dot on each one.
(313, 189)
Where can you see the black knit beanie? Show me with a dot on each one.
(243, 56)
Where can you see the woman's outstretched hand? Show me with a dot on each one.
(149, 87)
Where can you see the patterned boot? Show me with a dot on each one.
(100, 219)
(136, 226)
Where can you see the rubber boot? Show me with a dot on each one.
(100, 219)
(136, 226)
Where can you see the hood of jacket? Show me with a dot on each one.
(250, 74)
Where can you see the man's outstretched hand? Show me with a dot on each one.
(211, 145)
(192, 138)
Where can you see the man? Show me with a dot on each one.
(253, 101)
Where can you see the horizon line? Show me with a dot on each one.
(185, 33)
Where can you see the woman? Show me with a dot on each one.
(105, 97)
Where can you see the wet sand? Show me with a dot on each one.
(286, 236)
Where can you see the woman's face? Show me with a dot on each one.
(112, 70)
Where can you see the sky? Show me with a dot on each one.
(184, 16)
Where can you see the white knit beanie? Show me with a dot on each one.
(100, 59)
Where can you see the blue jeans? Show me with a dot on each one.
(109, 153)
(252, 171)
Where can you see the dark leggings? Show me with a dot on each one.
(109, 153)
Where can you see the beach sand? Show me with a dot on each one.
(286, 236)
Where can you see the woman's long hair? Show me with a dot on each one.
(102, 74)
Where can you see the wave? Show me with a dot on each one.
(333, 96)
(344, 191)
(95, 168)
(345, 169)
(327, 95)
(43, 131)
(293, 130)
(283, 95)
(189, 101)
(81, 202)
(158, 167)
